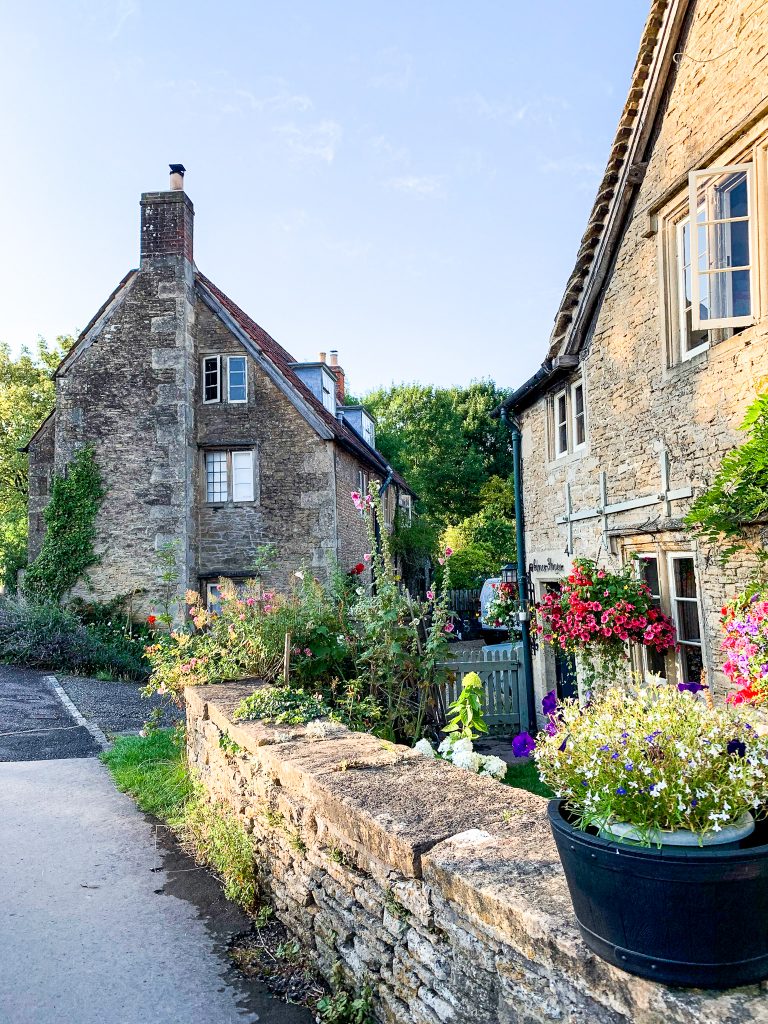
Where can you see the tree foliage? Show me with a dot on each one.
(26, 398)
(451, 452)
(738, 496)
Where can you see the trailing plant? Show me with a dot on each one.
(596, 613)
(738, 495)
(70, 518)
(282, 705)
(657, 758)
(504, 606)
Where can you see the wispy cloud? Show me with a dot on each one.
(512, 111)
(318, 141)
(393, 70)
(389, 151)
(421, 186)
(124, 9)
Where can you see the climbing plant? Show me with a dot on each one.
(70, 519)
(738, 496)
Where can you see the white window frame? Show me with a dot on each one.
(558, 423)
(405, 502)
(217, 361)
(328, 387)
(577, 446)
(728, 321)
(245, 458)
(229, 467)
(658, 558)
(672, 557)
(230, 399)
(682, 323)
(363, 481)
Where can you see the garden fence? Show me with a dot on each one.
(503, 677)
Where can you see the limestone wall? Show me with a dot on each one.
(440, 889)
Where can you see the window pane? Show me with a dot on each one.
(688, 619)
(242, 476)
(685, 577)
(236, 382)
(649, 573)
(691, 662)
(581, 432)
(216, 476)
(655, 662)
(211, 379)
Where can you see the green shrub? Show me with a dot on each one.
(48, 637)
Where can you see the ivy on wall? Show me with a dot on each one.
(70, 519)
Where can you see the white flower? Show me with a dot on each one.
(467, 759)
(447, 745)
(425, 747)
(493, 766)
(462, 746)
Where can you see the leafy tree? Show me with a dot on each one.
(446, 445)
(738, 496)
(26, 398)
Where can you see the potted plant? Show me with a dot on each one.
(658, 795)
(596, 613)
(745, 642)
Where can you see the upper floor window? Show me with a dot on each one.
(229, 476)
(561, 424)
(237, 379)
(722, 275)
(215, 388)
(405, 502)
(212, 379)
(329, 392)
(579, 415)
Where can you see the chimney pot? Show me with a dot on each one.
(177, 177)
(322, 357)
(334, 357)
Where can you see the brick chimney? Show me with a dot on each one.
(166, 222)
(338, 373)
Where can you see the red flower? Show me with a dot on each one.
(151, 620)
(357, 569)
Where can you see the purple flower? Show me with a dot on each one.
(550, 728)
(549, 703)
(620, 791)
(523, 745)
(691, 687)
(629, 766)
(737, 746)
(561, 748)
(694, 802)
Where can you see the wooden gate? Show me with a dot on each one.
(503, 677)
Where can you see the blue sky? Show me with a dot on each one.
(406, 182)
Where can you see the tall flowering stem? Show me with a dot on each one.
(596, 614)
(402, 641)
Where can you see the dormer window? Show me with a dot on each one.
(329, 393)
(320, 381)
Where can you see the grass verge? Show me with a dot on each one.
(153, 770)
(524, 775)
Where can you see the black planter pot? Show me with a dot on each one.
(692, 917)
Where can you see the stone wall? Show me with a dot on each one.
(440, 889)
(640, 396)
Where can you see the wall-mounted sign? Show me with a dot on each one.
(548, 566)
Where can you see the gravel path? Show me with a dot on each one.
(116, 706)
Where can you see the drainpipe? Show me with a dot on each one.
(525, 625)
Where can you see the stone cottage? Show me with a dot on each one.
(206, 431)
(659, 344)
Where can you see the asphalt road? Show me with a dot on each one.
(34, 724)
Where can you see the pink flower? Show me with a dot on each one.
(441, 560)
(430, 595)
(449, 627)
(448, 552)
(250, 601)
(307, 652)
(355, 496)
(366, 557)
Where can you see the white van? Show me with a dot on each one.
(491, 634)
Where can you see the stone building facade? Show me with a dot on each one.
(656, 353)
(206, 431)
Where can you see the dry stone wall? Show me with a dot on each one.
(440, 889)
